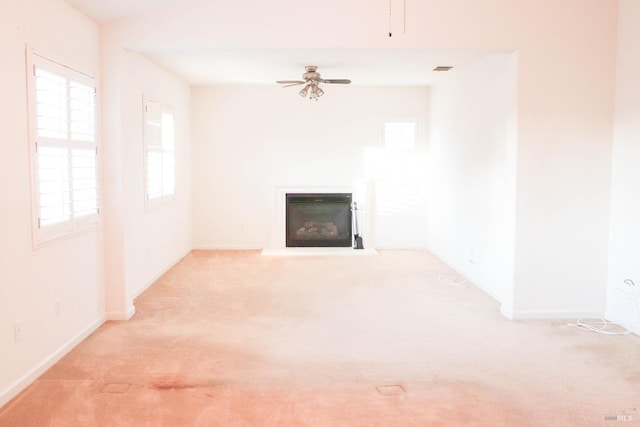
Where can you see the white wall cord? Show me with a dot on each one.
(600, 326)
(629, 295)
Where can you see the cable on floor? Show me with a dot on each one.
(453, 281)
(600, 326)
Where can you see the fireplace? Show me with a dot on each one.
(318, 220)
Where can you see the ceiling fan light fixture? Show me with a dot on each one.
(312, 78)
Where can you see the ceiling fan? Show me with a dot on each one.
(311, 78)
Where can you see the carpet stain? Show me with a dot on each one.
(596, 349)
(115, 388)
(633, 377)
(181, 383)
(391, 390)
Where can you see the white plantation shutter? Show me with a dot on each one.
(154, 174)
(84, 184)
(168, 155)
(54, 185)
(51, 104)
(65, 147)
(82, 112)
(400, 135)
(160, 152)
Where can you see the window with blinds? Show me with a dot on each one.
(159, 141)
(400, 135)
(63, 129)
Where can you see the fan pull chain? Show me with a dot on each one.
(390, 35)
(404, 17)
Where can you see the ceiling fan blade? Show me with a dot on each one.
(294, 84)
(337, 81)
(286, 82)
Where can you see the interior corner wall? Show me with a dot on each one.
(250, 141)
(623, 302)
(69, 273)
(119, 305)
(472, 156)
(141, 243)
(564, 174)
(155, 238)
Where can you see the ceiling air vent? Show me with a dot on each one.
(442, 68)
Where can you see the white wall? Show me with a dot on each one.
(97, 274)
(472, 160)
(250, 141)
(623, 304)
(140, 243)
(155, 238)
(70, 271)
(566, 75)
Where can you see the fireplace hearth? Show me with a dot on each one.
(318, 220)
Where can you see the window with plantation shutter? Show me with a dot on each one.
(159, 142)
(400, 135)
(64, 147)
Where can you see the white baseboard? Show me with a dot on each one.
(549, 315)
(22, 383)
(121, 315)
(506, 311)
(156, 277)
(227, 248)
(317, 251)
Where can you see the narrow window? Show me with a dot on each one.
(159, 141)
(400, 135)
(64, 149)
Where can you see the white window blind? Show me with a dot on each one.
(65, 170)
(159, 140)
(400, 135)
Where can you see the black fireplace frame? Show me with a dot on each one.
(345, 238)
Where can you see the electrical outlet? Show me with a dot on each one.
(17, 331)
(472, 255)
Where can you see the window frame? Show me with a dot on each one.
(153, 141)
(74, 223)
(400, 119)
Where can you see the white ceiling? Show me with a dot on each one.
(108, 10)
(265, 66)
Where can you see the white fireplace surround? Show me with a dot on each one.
(277, 240)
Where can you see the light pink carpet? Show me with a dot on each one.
(233, 338)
